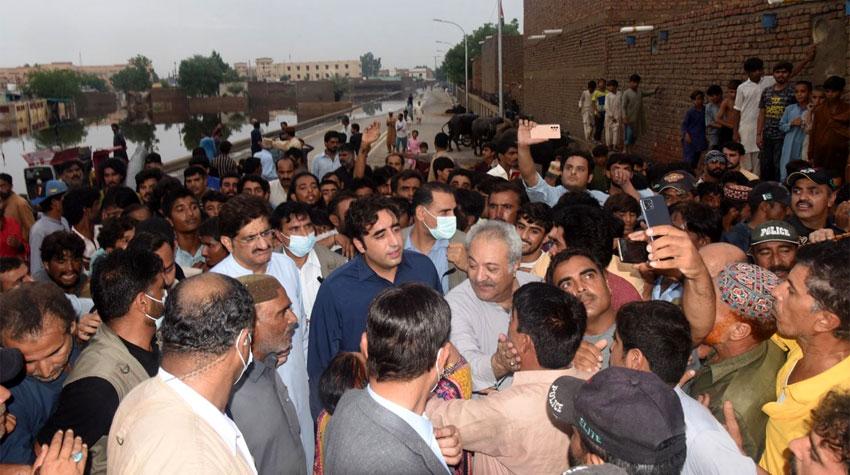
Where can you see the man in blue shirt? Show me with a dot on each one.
(339, 314)
(40, 322)
(327, 161)
(434, 230)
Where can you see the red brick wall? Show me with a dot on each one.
(707, 43)
(512, 65)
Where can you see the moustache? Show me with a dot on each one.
(804, 202)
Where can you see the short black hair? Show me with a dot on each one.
(634, 77)
(555, 320)
(462, 172)
(75, 203)
(55, 244)
(363, 214)
(834, 83)
(116, 164)
(147, 174)
(205, 314)
(251, 166)
(502, 186)
(405, 329)
(225, 146)
(622, 203)
(783, 66)
(577, 152)
(735, 147)
(26, 307)
(828, 281)
(298, 176)
(617, 158)
(331, 134)
(193, 170)
(753, 64)
(118, 277)
(338, 198)
(506, 142)
(6, 177)
(441, 163)
(10, 263)
(345, 371)
(119, 197)
(213, 195)
(264, 184)
(714, 90)
(575, 198)
(441, 140)
(661, 332)
(700, 219)
(284, 212)
(209, 227)
(537, 213)
(587, 227)
(172, 197)
(425, 194)
(808, 85)
(599, 151)
(613, 82)
(348, 147)
(707, 188)
(697, 93)
(239, 211)
(405, 175)
(470, 202)
(113, 229)
(149, 241)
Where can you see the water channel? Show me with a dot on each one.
(171, 140)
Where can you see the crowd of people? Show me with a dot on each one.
(285, 313)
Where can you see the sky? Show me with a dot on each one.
(400, 32)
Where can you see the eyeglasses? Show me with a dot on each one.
(267, 234)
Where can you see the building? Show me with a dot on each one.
(425, 74)
(265, 69)
(485, 69)
(18, 75)
(692, 45)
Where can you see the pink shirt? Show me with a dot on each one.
(412, 145)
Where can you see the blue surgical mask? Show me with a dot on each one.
(446, 226)
(301, 245)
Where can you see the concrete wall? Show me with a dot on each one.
(91, 104)
(272, 95)
(707, 44)
(314, 91)
(215, 105)
(169, 101)
(309, 110)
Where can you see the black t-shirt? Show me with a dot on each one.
(804, 231)
(88, 405)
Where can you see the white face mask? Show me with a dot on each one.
(245, 364)
(158, 320)
(446, 226)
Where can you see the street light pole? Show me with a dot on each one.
(499, 52)
(465, 59)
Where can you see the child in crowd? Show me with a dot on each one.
(693, 131)
(727, 115)
(792, 124)
(712, 109)
(613, 117)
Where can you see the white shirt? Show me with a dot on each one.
(309, 275)
(294, 371)
(747, 100)
(710, 448)
(498, 171)
(278, 194)
(223, 425)
(418, 422)
(91, 247)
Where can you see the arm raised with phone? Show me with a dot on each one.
(670, 248)
(525, 162)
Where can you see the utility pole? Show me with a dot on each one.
(499, 53)
(465, 58)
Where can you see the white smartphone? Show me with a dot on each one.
(546, 131)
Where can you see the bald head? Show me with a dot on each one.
(205, 314)
(719, 255)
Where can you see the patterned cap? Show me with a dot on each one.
(737, 192)
(715, 156)
(747, 289)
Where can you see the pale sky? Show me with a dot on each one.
(401, 32)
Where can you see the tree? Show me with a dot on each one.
(369, 65)
(340, 86)
(453, 61)
(56, 84)
(137, 76)
(93, 82)
(201, 75)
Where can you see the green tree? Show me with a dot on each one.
(56, 84)
(340, 86)
(94, 82)
(369, 65)
(137, 76)
(201, 75)
(453, 61)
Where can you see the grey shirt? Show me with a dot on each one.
(263, 411)
(607, 335)
(42, 228)
(476, 326)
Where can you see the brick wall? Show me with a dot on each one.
(272, 95)
(512, 66)
(707, 43)
(314, 91)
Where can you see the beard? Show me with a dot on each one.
(716, 172)
(5, 194)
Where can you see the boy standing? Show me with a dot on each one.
(634, 119)
(772, 106)
(693, 131)
(712, 127)
(613, 116)
(792, 126)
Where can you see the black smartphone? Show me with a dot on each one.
(632, 252)
(654, 211)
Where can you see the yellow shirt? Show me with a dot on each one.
(788, 417)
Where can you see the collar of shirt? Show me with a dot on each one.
(364, 272)
(223, 425)
(418, 422)
(438, 244)
(260, 367)
(724, 368)
(546, 376)
(325, 156)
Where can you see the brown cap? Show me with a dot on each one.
(262, 287)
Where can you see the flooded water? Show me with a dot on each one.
(171, 140)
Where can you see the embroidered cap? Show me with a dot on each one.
(747, 289)
(678, 179)
(737, 192)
